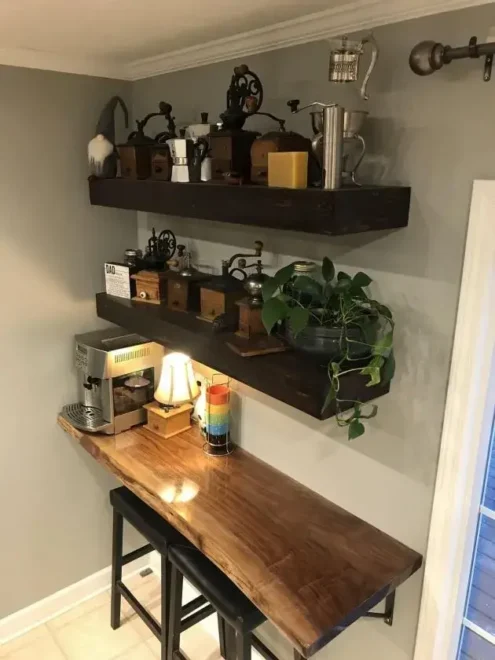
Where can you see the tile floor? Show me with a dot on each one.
(84, 632)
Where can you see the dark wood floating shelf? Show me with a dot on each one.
(315, 211)
(291, 377)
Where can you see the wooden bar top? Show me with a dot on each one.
(311, 567)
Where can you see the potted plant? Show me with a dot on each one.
(332, 316)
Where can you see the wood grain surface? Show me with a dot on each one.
(313, 210)
(311, 567)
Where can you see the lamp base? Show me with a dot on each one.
(168, 422)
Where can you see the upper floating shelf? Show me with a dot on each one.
(312, 210)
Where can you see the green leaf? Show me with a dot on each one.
(384, 345)
(269, 288)
(360, 280)
(343, 285)
(298, 319)
(308, 285)
(373, 370)
(284, 274)
(343, 276)
(382, 309)
(388, 370)
(355, 429)
(274, 310)
(327, 269)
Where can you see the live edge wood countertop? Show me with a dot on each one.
(311, 567)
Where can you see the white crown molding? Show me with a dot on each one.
(346, 18)
(87, 66)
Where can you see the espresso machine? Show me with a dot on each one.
(117, 372)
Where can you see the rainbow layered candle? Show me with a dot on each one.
(217, 415)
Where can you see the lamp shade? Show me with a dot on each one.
(177, 383)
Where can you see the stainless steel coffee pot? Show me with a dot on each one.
(344, 61)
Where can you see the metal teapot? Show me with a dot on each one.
(344, 61)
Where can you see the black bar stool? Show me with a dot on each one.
(237, 615)
(160, 535)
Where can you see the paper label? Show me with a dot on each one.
(117, 281)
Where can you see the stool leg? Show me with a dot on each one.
(222, 636)
(175, 612)
(165, 605)
(243, 646)
(117, 550)
(230, 642)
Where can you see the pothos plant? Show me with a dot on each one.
(336, 301)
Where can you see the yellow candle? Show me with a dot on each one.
(288, 169)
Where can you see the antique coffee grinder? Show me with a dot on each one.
(136, 153)
(220, 294)
(231, 145)
(344, 61)
(151, 283)
(353, 146)
(183, 284)
(251, 337)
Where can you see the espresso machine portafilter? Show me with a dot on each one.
(333, 132)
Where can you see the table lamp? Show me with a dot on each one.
(170, 412)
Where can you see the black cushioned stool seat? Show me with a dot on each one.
(238, 614)
(155, 529)
(160, 535)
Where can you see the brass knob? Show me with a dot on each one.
(143, 295)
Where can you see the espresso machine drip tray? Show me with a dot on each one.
(85, 418)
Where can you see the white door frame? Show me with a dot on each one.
(465, 439)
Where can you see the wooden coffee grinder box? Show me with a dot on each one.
(151, 286)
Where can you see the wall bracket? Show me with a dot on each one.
(388, 614)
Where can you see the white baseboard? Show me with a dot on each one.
(24, 620)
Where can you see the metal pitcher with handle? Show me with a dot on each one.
(344, 61)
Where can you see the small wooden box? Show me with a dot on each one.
(168, 422)
(183, 293)
(135, 161)
(151, 286)
(250, 323)
(219, 300)
(161, 164)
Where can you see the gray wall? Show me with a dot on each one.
(55, 524)
(435, 135)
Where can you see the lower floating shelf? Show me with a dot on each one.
(291, 377)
